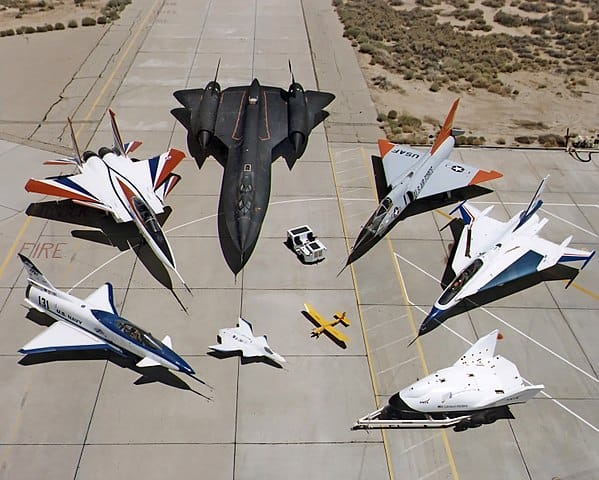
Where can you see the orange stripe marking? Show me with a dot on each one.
(483, 176)
(384, 146)
(446, 129)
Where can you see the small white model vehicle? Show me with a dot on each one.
(305, 244)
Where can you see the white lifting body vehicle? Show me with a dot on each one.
(475, 390)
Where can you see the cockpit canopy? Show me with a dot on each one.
(458, 284)
(384, 207)
(137, 334)
(147, 216)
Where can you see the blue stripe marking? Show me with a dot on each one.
(66, 348)
(153, 164)
(525, 265)
(67, 182)
(111, 297)
(572, 258)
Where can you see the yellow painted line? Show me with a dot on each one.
(13, 247)
(362, 327)
(594, 296)
(445, 439)
(117, 66)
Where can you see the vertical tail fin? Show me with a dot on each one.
(76, 152)
(534, 204)
(119, 147)
(446, 128)
(34, 274)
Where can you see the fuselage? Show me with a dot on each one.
(128, 201)
(406, 189)
(246, 180)
(121, 336)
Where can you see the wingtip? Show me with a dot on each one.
(385, 146)
(485, 176)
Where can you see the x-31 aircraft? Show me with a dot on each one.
(475, 390)
(491, 259)
(246, 128)
(241, 338)
(92, 323)
(409, 182)
(129, 190)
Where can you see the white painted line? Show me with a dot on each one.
(433, 472)
(397, 365)
(340, 172)
(570, 223)
(416, 445)
(394, 342)
(387, 322)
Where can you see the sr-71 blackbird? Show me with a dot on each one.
(246, 128)
(409, 182)
(93, 323)
(491, 259)
(112, 182)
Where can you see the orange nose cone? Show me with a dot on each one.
(499, 336)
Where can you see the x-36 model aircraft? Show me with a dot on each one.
(409, 182)
(242, 339)
(112, 182)
(246, 128)
(92, 323)
(492, 259)
(475, 390)
(328, 327)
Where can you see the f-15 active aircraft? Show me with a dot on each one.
(93, 323)
(475, 390)
(112, 182)
(492, 259)
(409, 182)
(246, 128)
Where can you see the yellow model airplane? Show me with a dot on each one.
(328, 327)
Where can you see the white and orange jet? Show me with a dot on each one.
(129, 190)
(409, 182)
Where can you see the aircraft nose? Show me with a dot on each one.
(435, 318)
(365, 241)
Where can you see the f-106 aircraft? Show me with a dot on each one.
(409, 182)
(475, 390)
(492, 259)
(246, 128)
(93, 323)
(112, 182)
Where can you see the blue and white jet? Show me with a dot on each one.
(93, 323)
(491, 259)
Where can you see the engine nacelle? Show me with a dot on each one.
(203, 117)
(297, 118)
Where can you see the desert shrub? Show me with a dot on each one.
(49, 27)
(19, 30)
(507, 19)
(78, 2)
(59, 26)
(501, 141)
(396, 3)
(41, 28)
(405, 119)
(72, 24)
(9, 32)
(392, 115)
(552, 140)
(88, 22)
(493, 3)
(540, 7)
(28, 29)
(381, 117)
(531, 125)
(525, 139)
(435, 87)
(102, 20)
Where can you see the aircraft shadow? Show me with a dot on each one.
(124, 236)
(316, 324)
(244, 360)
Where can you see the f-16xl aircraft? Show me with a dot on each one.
(492, 259)
(112, 182)
(409, 182)
(92, 323)
(475, 390)
(246, 128)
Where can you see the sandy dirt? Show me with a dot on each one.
(34, 15)
(542, 96)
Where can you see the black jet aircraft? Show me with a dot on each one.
(246, 128)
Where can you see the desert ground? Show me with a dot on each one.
(552, 94)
